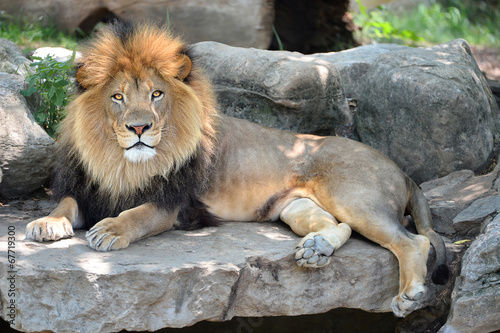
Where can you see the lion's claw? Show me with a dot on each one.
(314, 252)
(102, 237)
(49, 229)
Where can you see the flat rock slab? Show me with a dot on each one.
(181, 277)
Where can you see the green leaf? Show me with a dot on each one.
(32, 80)
(52, 91)
(29, 91)
(59, 98)
(61, 83)
(40, 117)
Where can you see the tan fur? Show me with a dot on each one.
(310, 182)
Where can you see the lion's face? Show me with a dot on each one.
(142, 110)
(136, 110)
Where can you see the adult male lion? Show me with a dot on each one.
(143, 150)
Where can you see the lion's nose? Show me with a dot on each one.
(139, 129)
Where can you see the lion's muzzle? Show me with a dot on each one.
(140, 149)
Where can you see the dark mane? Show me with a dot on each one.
(180, 189)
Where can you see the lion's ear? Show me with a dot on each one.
(185, 67)
(81, 74)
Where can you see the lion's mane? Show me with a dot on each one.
(91, 166)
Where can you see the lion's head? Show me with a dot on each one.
(143, 109)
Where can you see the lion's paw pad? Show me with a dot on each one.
(314, 252)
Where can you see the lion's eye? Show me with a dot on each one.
(157, 94)
(117, 97)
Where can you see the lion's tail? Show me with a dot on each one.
(421, 214)
(195, 215)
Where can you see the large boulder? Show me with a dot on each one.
(178, 278)
(24, 163)
(25, 148)
(476, 297)
(238, 22)
(354, 64)
(285, 90)
(429, 109)
(12, 61)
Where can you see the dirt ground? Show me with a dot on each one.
(488, 61)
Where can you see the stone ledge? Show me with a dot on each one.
(179, 278)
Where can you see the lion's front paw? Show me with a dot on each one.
(406, 302)
(107, 235)
(313, 251)
(49, 229)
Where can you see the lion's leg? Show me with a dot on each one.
(323, 233)
(411, 251)
(118, 232)
(58, 224)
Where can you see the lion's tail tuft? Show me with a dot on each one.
(421, 214)
(441, 274)
(196, 216)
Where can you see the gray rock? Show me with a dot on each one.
(239, 22)
(450, 195)
(181, 277)
(476, 296)
(354, 64)
(439, 187)
(25, 148)
(477, 212)
(12, 60)
(429, 109)
(286, 90)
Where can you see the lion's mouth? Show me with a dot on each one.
(139, 152)
(139, 144)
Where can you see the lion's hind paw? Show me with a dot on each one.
(313, 252)
(407, 302)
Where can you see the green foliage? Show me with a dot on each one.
(474, 21)
(51, 79)
(439, 24)
(32, 33)
(376, 25)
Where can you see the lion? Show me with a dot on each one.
(144, 149)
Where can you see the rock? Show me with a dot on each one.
(439, 187)
(354, 64)
(450, 195)
(476, 296)
(181, 277)
(240, 23)
(429, 109)
(465, 206)
(286, 90)
(473, 215)
(25, 148)
(59, 54)
(12, 61)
